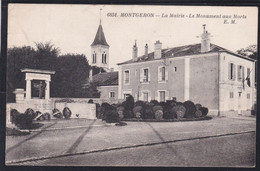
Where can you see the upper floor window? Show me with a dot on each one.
(248, 95)
(231, 71)
(231, 95)
(162, 74)
(104, 58)
(126, 77)
(94, 60)
(240, 73)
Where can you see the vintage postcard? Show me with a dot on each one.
(131, 85)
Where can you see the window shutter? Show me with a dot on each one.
(149, 96)
(243, 73)
(156, 95)
(167, 95)
(229, 71)
(141, 75)
(166, 73)
(238, 73)
(159, 73)
(234, 72)
(149, 75)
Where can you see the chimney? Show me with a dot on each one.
(157, 50)
(146, 50)
(205, 41)
(135, 50)
(90, 75)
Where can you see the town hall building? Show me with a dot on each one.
(204, 73)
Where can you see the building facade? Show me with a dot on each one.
(204, 73)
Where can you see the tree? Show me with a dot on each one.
(72, 70)
(250, 51)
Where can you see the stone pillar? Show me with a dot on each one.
(19, 95)
(47, 90)
(28, 89)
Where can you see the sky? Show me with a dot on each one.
(72, 28)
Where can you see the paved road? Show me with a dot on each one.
(233, 150)
(95, 135)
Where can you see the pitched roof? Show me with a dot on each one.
(180, 51)
(100, 37)
(106, 79)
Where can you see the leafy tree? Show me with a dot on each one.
(250, 51)
(72, 70)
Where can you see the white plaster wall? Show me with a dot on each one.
(227, 86)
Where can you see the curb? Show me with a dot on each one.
(121, 147)
(64, 128)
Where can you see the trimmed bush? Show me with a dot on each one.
(29, 111)
(120, 110)
(148, 112)
(90, 101)
(138, 111)
(190, 109)
(128, 114)
(24, 121)
(129, 103)
(198, 106)
(66, 113)
(56, 113)
(178, 111)
(13, 115)
(111, 116)
(198, 114)
(204, 111)
(158, 112)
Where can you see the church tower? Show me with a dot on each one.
(100, 50)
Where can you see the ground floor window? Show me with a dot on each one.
(145, 96)
(248, 95)
(162, 96)
(111, 94)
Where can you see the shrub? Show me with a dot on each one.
(120, 110)
(24, 121)
(179, 111)
(66, 113)
(29, 111)
(129, 103)
(158, 114)
(148, 112)
(47, 116)
(138, 111)
(190, 109)
(90, 101)
(204, 111)
(13, 115)
(139, 103)
(111, 116)
(198, 106)
(56, 113)
(128, 114)
(154, 102)
(198, 114)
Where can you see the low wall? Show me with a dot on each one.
(79, 110)
(85, 100)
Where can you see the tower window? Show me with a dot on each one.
(104, 58)
(94, 60)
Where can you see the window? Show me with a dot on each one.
(231, 95)
(126, 95)
(240, 73)
(175, 69)
(145, 96)
(94, 60)
(111, 94)
(146, 75)
(162, 96)
(104, 58)
(231, 71)
(126, 77)
(248, 95)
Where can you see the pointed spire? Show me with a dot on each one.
(100, 36)
(100, 16)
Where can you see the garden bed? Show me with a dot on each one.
(167, 120)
